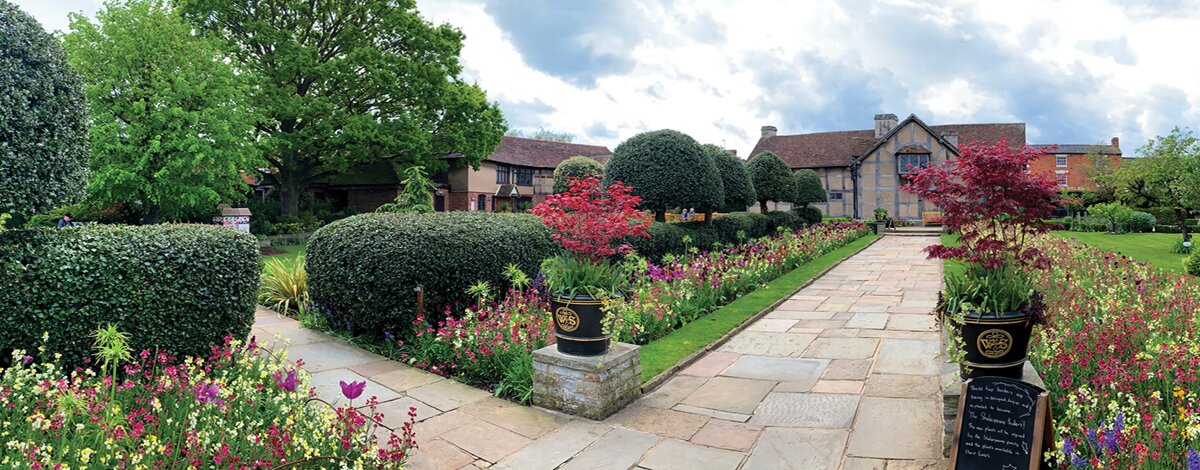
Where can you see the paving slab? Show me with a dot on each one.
(372, 369)
(763, 343)
(441, 424)
(912, 322)
(330, 355)
(711, 364)
(897, 428)
(672, 454)
(848, 369)
(730, 394)
(842, 348)
(447, 395)
(406, 378)
(277, 336)
(619, 449)
(852, 387)
(902, 386)
(526, 421)
(330, 390)
(874, 321)
(908, 356)
(795, 449)
(800, 315)
(658, 421)
(555, 448)
(807, 410)
(722, 415)
(900, 334)
(777, 369)
(395, 412)
(485, 440)
(437, 454)
(858, 463)
(778, 325)
(727, 435)
(672, 392)
(823, 324)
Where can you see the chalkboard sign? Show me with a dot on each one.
(1001, 425)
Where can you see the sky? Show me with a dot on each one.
(1076, 72)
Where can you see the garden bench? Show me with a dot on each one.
(932, 217)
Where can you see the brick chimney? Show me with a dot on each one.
(769, 131)
(951, 137)
(884, 124)
(1116, 143)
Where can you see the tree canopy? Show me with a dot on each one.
(170, 133)
(43, 119)
(667, 169)
(808, 187)
(1167, 175)
(772, 179)
(578, 167)
(542, 134)
(343, 83)
(735, 179)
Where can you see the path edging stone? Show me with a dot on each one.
(663, 376)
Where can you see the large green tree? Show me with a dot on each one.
(1166, 175)
(347, 83)
(772, 179)
(667, 169)
(735, 179)
(170, 133)
(43, 119)
(808, 187)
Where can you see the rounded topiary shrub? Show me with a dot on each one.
(1139, 222)
(43, 118)
(1191, 264)
(575, 168)
(667, 169)
(362, 270)
(782, 219)
(808, 215)
(751, 225)
(178, 289)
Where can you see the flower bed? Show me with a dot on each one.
(241, 407)
(1120, 354)
(491, 346)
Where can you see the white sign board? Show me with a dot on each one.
(236, 222)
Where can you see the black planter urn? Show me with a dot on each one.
(579, 325)
(996, 345)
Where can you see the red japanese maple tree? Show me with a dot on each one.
(589, 220)
(991, 198)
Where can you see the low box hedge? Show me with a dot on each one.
(179, 289)
(362, 270)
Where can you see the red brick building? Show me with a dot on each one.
(518, 175)
(1074, 166)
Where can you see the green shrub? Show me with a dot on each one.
(665, 238)
(667, 169)
(1179, 248)
(1191, 264)
(363, 270)
(1164, 215)
(808, 187)
(43, 119)
(837, 220)
(575, 168)
(1139, 222)
(700, 235)
(735, 179)
(772, 179)
(751, 225)
(786, 220)
(284, 287)
(808, 215)
(176, 288)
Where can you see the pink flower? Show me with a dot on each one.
(287, 383)
(352, 390)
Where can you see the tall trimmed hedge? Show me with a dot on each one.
(669, 238)
(174, 288)
(363, 269)
(735, 179)
(772, 179)
(667, 169)
(43, 118)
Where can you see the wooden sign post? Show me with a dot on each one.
(1003, 424)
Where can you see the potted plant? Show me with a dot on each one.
(591, 223)
(881, 220)
(996, 206)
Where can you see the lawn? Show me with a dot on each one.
(665, 352)
(1153, 248)
(289, 255)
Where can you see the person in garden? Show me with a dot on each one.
(65, 221)
(683, 214)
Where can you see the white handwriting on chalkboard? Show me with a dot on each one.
(997, 423)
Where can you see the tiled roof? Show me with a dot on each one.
(539, 153)
(838, 149)
(1081, 149)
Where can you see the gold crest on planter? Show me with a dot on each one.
(567, 319)
(994, 343)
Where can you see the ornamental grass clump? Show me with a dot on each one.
(590, 222)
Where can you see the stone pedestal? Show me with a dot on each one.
(592, 387)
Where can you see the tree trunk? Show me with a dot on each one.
(289, 195)
(708, 216)
(762, 206)
(1182, 215)
(151, 216)
(660, 215)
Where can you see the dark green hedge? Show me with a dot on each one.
(808, 215)
(363, 270)
(752, 225)
(782, 220)
(668, 238)
(174, 288)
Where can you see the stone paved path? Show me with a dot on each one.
(843, 375)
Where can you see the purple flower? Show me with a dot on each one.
(27, 359)
(287, 383)
(353, 389)
(1119, 424)
(1091, 437)
(208, 394)
(1193, 460)
(389, 336)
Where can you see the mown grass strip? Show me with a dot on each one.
(665, 352)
